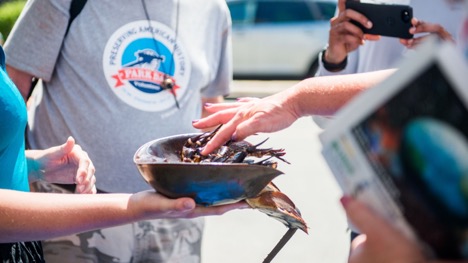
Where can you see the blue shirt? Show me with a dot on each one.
(13, 119)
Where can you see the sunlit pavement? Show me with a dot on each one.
(248, 235)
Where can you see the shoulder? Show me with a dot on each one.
(43, 12)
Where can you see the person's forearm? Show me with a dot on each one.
(325, 95)
(37, 216)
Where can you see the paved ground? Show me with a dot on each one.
(248, 235)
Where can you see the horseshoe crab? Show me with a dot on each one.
(174, 167)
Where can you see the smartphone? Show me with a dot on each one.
(387, 20)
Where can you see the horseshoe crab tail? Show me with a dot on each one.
(276, 204)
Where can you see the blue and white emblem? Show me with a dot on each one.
(137, 58)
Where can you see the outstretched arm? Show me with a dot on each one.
(314, 96)
(37, 216)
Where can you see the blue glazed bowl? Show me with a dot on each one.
(207, 183)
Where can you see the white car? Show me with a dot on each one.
(278, 38)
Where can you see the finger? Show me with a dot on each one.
(413, 42)
(223, 135)
(350, 14)
(353, 42)
(94, 190)
(357, 241)
(219, 209)
(64, 149)
(164, 207)
(85, 178)
(344, 30)
(182, 205)
(341, 5)
(214, 119)
(362, 217)
(215, 107)
(423, 27)
(343, 39)
(371, 37)
(88, 187)
(238, 128)
(67, 147)
(247, 99)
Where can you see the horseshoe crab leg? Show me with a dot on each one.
(280, 245)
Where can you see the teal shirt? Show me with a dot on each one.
(13, 119)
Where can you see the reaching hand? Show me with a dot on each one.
(67, 164)
(344, 36)
(424, 27)
(246, 117)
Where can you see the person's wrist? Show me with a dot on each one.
(291, 99)
(335, 65)
(35, 170)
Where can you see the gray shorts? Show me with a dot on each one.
(162, 240)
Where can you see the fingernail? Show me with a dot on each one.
(208, 104)
(369, 24)
(195, 121)
(345, 200)
(234, 138)
(188, 205)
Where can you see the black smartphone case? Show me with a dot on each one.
(387, 20)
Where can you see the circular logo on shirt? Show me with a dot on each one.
(139, 60)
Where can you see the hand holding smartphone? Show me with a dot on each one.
(387, 20)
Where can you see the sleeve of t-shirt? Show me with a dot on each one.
(34, 43)
(351, 65)
(221, 84)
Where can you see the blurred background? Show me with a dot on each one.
(278, 39)
(9, 12)
(272, 39)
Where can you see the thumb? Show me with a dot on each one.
(67, 147)
(62, 150)
(363, 217)
(341, 5)
(185, 204)
(179, 205)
